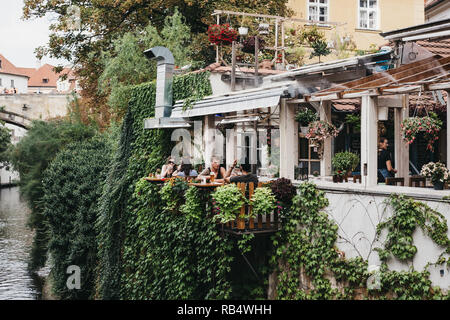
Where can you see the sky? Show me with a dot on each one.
(19, 38)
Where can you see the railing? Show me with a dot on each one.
(266, 223)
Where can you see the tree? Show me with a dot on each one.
(103, 22)
(320, 48)
(30, 157)
(127, 65)
(5, 142)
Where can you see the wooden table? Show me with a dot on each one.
(155, 180)
(206, 185)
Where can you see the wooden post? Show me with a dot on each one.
(231, 143)
(256, 60)
(233, 66)
(448, 129)
(217, 47)
(251, 221)
(209, 138)
(325, 162)
(283, 60)
(241, 220)
(401, 148)
(288, 140)
(369, 141)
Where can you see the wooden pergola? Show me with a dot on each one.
(383, 90)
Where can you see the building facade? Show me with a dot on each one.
(359, 20)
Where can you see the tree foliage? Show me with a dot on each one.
(5, 142)
(103, 22)
(72, 184)
(126, 65)
(30, 157)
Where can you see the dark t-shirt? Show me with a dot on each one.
(383, 156)
(245, 178)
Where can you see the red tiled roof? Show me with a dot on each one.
(9, 68)
(44, 72)
(439, 47)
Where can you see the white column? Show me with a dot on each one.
(208, 139)
(325, 162)
(288, 140)
(231, 144)
(401, 148)
(448, 129)
(369, 132)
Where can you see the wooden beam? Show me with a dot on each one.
(325, 162)
(288, 140)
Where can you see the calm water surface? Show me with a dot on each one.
(16, 283)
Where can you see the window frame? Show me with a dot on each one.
(368, 10)
(318, 5)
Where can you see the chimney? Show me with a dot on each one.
(164, 80)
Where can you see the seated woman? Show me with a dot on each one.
(219, 172)
(385, 169)
(169, 168)
(186, 170)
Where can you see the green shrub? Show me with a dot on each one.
(229, 199)
(30, 157)
(263, 201)
(72, 184)
(306, 116)
(344, 161)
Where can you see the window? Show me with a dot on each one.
(318, 10)
(0, 82)
(368, 14)
(45, 80)
(12, 83)
(0, 63)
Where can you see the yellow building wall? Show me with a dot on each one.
(393, 14)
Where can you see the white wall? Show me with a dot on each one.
(358, 215)
(20, 82)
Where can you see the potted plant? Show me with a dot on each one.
(438, 173)
(318, 131)
(228, 201)
(284, 191)
(221, 34)
(304, 118)
(263, 201)
(430, 125)
(355, 120)
(248, 46)
(344, 163)
(243, 29)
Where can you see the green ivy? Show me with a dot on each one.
(408, 215)
(146, 252)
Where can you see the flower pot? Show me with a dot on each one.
(337, 178)
(304, 130)
(438, 185)
(243, 31)
(263, 28)
(383, 113)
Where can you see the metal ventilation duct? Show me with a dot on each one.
(164, 79)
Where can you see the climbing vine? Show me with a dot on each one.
(146, 251)
(306, 256)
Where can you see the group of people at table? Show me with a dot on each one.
(215, 172)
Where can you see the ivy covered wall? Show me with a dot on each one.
(122, 215)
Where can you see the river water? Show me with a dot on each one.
(16, 282)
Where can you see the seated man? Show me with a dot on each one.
(385, 169)
(246, 176)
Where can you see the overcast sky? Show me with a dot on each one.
(19, 38)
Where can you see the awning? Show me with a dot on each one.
(239, 101)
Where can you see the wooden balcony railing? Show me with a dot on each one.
(266, 223)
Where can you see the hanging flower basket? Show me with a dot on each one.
(249, 45)
(222, 34)
(429, 125)
(318, 132)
